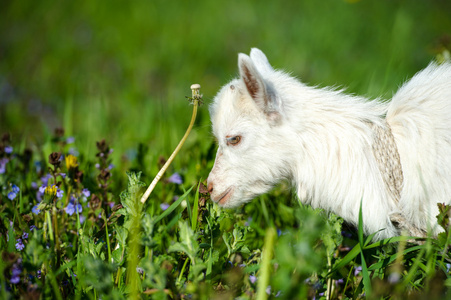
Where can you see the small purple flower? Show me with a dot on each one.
(59, 193)
(71, 208)
(19, 245)
(268, 290)
(3, 163)
(73, 151)
(82, 219)
(42, 189)
(357, 270)
(63, 175)
(38, 274)
(25, 235)
(164, 206)
(32, 227)
(252, 279)
(86, 193)
(97, 165)
(45, 179)
(8, 149)
(110, 167)
(16, 271)
(35, 209)
(34, 185)
(15, 189)
(175, 178)
(12, 196)
(70, 140)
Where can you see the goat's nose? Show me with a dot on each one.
(210, 187)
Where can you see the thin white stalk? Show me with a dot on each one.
(196, 98)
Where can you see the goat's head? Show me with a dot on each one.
(247, 120)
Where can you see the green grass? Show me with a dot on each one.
(120, 71)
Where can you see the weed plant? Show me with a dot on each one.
(71, 223)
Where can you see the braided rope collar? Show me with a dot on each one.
(388, 161)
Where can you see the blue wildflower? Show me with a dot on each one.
(45, 179)
(357, 270)
(252, 279)
(8, 149)
(268, 290)
(32, 227)
(15, 278)
(175, 178)
(164, 206)
(42, 189)
(15, 189)
(25, 235)
(70, 140)
(35, 209)
(59, 193)
(73, 151)
(38, 274)
(110, 167)
(3, 163)
(86, 193)
(71, 208)
(19, 245)
(12, 196)
(82, 218)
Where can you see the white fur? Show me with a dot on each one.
(321, 141)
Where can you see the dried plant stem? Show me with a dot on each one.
(196, 98)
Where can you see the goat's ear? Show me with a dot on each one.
(261, 62)
(256, 87)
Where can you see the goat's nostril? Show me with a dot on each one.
(210, 187)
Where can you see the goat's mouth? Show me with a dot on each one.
(222, 199)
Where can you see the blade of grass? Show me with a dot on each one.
(365, 274)
(173, 206)
(195, 209)
(265, 269)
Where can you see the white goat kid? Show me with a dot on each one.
(336, 149)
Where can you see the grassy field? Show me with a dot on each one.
(92, 102)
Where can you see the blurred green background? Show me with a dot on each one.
(120, 70)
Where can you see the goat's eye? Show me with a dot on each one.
(233, 140)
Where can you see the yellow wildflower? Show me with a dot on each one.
(71, 162)
(51, 191)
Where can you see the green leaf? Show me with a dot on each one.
(188, 242)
